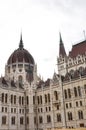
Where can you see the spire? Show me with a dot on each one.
(21, 42)
(61, 42)
(61, 47)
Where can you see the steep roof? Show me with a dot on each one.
(77, 49)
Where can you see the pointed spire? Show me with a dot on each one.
(62, 51)
(61, 42)
(21, 42)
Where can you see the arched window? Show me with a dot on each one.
(27, 100)
(65, 94)
(79, 90)
(40, 119)
(11, 98)
(20, 79)
(2, 97)
(41, 99)
(56, 95)
(48, 118)
(80, 114)
(48, 97)
(69, 93)
(20, 100)
(81, 70)
(14, 99)
(35, 120)
(70, 117)
(72, 73)
(38, 99)
(21, 120)
(45, 98)
(6, 97)
(13, 120)
(27, 120)
(75, 92)
(4, 120)
(58, 117)
(33, 99)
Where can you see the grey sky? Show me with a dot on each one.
(40, 22)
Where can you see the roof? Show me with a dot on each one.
(20, 55)
(78, 49)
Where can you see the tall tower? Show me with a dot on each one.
(61, 60)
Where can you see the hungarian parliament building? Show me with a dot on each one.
(29, 103)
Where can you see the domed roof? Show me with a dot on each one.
(20, 55)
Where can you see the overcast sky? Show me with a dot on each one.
(40, 22)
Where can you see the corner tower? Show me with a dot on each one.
(21, 65)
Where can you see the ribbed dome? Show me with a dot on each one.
(20, 55)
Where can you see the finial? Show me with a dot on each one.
(21, 42)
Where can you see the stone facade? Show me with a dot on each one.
(29, 103)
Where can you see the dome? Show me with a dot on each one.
(20, 55)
